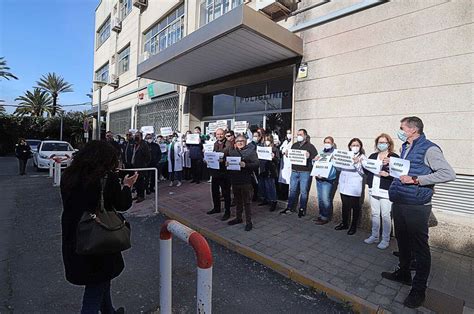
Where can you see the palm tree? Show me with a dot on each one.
(34, 103)
(54, 85)
(4, 70)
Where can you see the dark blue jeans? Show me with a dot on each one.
(97, 298)
(325, 190)
(301, 179)
(269, 189)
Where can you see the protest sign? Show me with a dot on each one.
(343, 159)
(193, 139)
(212, 127)
(212, 159)
(163, 148)
(208, 147)
(234, 163)
(147, 130)
(372, 165)
(166, 131)
(240, 127)
(133, 131)
(321, 169)
(399, 167)
(297, 157)
(264, 153)
(221, 124)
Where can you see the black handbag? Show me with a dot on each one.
(102, 232)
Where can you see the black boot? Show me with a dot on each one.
(341, 226)
(235, 221)
(273, 206)
(301, 212)
(226, 215)
(399, 275)
(213, 211)
(352, 230)
(415, 299)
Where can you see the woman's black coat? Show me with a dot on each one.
(82, 269)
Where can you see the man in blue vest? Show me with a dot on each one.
(411, 197)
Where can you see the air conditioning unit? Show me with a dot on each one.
(116, 24)
(140, 3)
(276, 9)
(113, 80)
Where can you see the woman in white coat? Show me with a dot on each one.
(350, 188)
(175, 160)
(285, 166)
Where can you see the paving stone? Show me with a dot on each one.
(378, 299)
(386, 291)
(361, 292)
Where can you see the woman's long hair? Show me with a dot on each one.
(89, 165)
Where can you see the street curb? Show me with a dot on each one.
(356, 303)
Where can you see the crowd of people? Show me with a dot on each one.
(406, 198)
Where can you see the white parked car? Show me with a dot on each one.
(49, 149)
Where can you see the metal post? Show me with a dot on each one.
(99, 125)
(165, 276)
(51, 168)
(61, 129)
(57, 173)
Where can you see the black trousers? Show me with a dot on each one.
(243, 201)
(196, 169)
(150, 179)
(22, 165)
(350, 203)
(411, 230)
(141, 182)
(221, 183)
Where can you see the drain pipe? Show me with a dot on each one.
(336, 15)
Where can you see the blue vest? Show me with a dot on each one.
(412, 194)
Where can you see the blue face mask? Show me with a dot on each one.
(382, 147)
(402, 135)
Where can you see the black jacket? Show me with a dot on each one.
(82, 269)
(155, 154)
(384, 181)
(249, 156)
(22, 151)
(269, 168)
(117, 147)
(142, 155)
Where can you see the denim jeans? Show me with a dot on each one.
(269, 189)
(97, 298)
(301, 180)
(325, 190)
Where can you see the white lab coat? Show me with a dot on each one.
(351, 181)
(178, 157)
(285, 166)
(186, 158)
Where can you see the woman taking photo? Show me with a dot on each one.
(350, 188)
(81, 191)
(378, 191)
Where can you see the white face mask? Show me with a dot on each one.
(300, 138)
(149, 140)
(255, 139)
(327, 146)
(355, 149)
(267, 143)
(289, 137)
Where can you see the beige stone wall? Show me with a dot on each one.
(368, 70)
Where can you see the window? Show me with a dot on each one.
(125, 8)
(212, 9)
(165, 33)
(102, 74)
(124, 60)
(103, 33)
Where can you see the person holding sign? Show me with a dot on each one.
(162, 166)
(285, 165)
(155, 157)
(196, 155)
(268, 173)
(411, 196)
(220, 179)
(350, 188)
(175, 160)
(326, 186)
(186, 158)
(300, 175)
(242, 181)
(379, 181)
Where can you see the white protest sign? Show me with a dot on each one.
(212, 127)
(193, 139)
(297, 157)
(133, 131)
(208, 147)
(166, 131)
(212, 159)
(343, 159)
(234, 163)
(147, 129)
(399, 167)
(240, 127)
(221, 124)
(264, 153)
(163, 148)
(321, 169)
(372, 165)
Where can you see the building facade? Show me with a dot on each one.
(349, 68)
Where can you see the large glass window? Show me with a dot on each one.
(124, 60)
(102, 74)
(212, 9)
(250, 98)
(103, 33)
(166, 32)
(125, 8)
(221, 103)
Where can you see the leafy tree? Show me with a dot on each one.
(54, 85)
(4, 73)
(34, 103)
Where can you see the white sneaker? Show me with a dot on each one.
(162, 178)
(371, 240)
(383, 244)
(179, 183)
(171, 183)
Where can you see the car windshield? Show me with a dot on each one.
(33, 142)
(56, 147)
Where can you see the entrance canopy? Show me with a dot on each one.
(240, 40)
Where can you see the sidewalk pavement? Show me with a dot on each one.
(330, 261)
